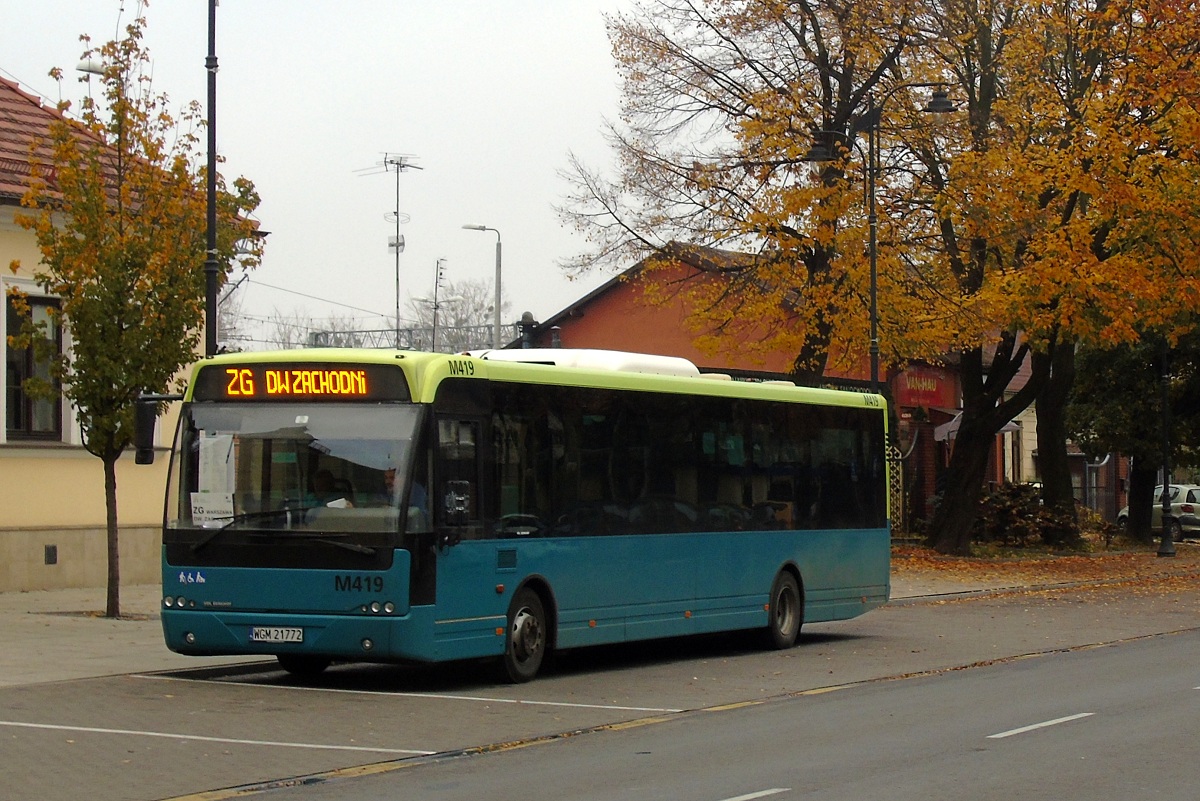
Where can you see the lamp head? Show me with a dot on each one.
(940, 103)
(90, 65)
(819, 153)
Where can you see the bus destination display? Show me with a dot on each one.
(301, 381)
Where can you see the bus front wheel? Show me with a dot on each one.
(303, 665)
(525, 643)
(785, 612)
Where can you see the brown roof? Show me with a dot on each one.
(700, 259)
(24, 123)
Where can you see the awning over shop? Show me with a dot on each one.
(947, 431)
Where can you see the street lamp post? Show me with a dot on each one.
(1166, 544)
(211, 265)
(496, 318)
(870, 122)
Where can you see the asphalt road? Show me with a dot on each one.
(1111, 722)
(230, 731)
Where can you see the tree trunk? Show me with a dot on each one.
(1055, 468)
(986, 408)
(112, 606)
(954, 520)
(1142, 478)
(808, 369)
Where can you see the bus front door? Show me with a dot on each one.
(468, 603)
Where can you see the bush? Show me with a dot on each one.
(1098, 532)
(1013, 516)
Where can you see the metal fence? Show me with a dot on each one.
(450, 338)
(896, 487)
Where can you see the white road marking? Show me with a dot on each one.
(1035, 726)
(433, 696)
(169, 736)
(759, 794)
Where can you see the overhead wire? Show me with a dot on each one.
(371, 312)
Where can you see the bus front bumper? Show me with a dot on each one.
(349, 637)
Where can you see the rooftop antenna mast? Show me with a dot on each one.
(398, 163)
(438, 274)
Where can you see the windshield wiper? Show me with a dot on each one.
(238, 518)
(335, 540)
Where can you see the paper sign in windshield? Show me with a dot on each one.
(212, 509)
(217, 461)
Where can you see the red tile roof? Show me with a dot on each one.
(24, 122)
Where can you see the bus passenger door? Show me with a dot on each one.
(466, 563)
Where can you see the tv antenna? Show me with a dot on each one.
(397, 163)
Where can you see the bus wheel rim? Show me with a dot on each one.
(785, 610)
(526, 635)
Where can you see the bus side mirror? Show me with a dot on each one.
(145, 413)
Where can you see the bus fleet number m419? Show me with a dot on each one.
(358, 583)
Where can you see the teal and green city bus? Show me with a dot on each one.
(367, 505)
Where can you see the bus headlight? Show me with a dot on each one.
(168, 601)
(375, 607)
(389, 607)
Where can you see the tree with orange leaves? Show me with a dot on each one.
(1066, 210)
(1055, 209)
(720, 103)
(120, 219)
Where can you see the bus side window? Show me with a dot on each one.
(457, 471)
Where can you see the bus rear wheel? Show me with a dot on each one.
(525, 642)
(303, 665)
(785, 612)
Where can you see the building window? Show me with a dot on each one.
(29, 417)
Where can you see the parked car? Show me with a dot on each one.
(1184, 519)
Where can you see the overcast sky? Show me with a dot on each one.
(488, 97)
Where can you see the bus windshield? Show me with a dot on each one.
(293, 468)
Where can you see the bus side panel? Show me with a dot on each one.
(845, 572)
(646, 586)
(621, 578)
